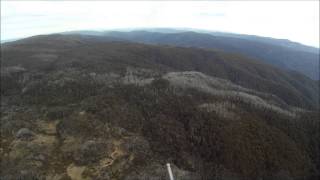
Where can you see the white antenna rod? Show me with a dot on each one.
(170, 171)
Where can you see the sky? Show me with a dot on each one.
(294, 20)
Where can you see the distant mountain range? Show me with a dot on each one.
(278, 52)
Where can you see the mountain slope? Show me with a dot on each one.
(61, 51)
(280, 53)
(88, 107)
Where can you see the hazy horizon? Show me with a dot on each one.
(297, 21)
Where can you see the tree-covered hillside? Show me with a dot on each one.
(87, 107)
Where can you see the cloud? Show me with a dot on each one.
(212, 14)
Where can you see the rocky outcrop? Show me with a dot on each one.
(24, 134)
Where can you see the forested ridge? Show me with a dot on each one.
(283, 54)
